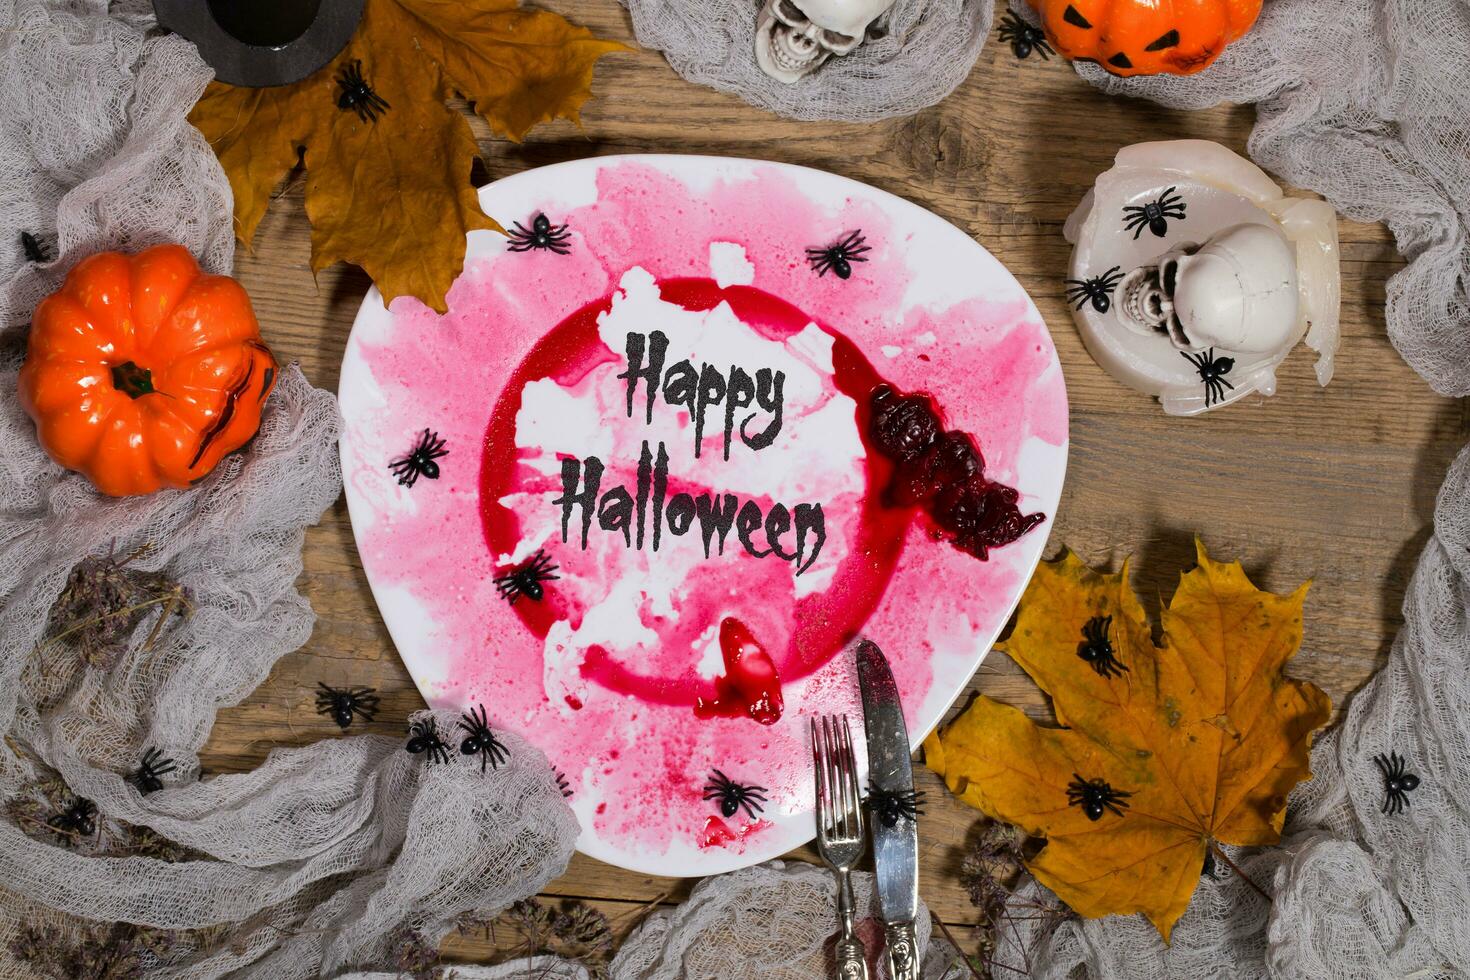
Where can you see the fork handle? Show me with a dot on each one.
(903, 950)
(852, 957)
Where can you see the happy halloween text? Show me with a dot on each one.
(709, 396)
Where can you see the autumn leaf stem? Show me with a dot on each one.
(1215, 850)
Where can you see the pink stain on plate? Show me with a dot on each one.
(610, 691)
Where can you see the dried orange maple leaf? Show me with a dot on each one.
(393, 194)
(1204, 733)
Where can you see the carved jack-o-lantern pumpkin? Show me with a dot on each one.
(1147, 37)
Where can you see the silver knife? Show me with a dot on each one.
(896, 847)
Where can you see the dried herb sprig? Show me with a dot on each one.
(49, 811)
(412, 954)
(994, 861)
(104, 601)
(572, 930)
(120, 951)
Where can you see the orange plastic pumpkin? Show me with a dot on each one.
(1147, 37)
(143, 372)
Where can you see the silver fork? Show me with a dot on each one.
(840, 838)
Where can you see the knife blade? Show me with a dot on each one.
(895, 848)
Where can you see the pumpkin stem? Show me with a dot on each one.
(131, 380)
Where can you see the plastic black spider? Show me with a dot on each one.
(345, 702)
(357, 94)
(423, 736)
(1094, 796)
(1096, 649)
(542, 236)
(420, 460)
(733, 795)
(1398, 783)
(888, 806)
(76, 821)
(839, 256)
(148, 777)
(561, 783)
(481, 740)
(1212, 371)
(1154, 215)
(527, 579)
(35, 249)
(1024, 38)
(1098, 290)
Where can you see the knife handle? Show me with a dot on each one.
(903, 950)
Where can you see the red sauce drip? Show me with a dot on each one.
(751, 685)
(944, 473)
(717, 833)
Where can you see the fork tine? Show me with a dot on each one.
(840, 738)
(840, 766)
(818, 761)
(850, 768)
(834, 776)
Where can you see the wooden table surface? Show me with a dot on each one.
(1334, 484)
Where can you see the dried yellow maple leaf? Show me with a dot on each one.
(1164, 749)
(390, 189)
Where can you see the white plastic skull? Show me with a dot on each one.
(1238, 292)
(794, 37)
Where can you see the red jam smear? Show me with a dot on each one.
(751, 686)
(944, 473)
(717, 833)
(824, 622)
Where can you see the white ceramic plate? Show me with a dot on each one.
(639, 670)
